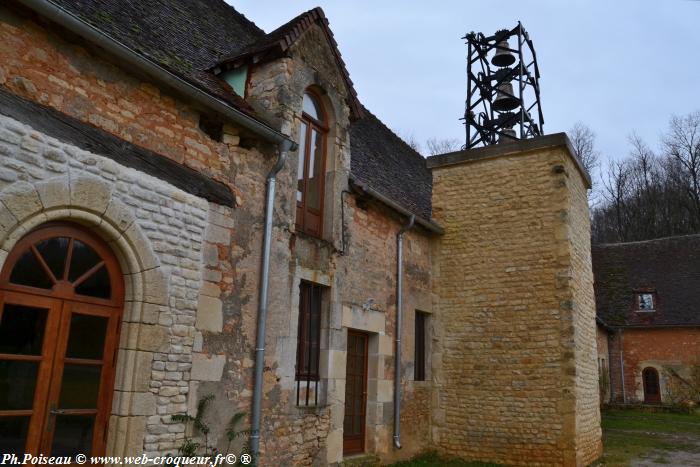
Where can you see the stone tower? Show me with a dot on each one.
(516, 365)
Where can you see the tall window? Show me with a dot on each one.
(311, 168)
(61, 298)
(308, 343)
(421, 322)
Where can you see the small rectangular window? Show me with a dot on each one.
(420, 343)
(645, 302)
(308, 343)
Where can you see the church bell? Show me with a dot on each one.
(505, 99)
(503, 56)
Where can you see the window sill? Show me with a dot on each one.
(423, 383)
(645, 311)
(312, 408)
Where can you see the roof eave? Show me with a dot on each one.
(428, 224)
(77, 25)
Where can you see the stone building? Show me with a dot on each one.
(647, 298)
(191, 206)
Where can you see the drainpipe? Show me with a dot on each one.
(285, 147)
(399, 318)
(622, 369)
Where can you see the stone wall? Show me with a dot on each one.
(199, 261)
(517, 380)
(365, 270)
(39, 63)
(602, 336)
(158, 233)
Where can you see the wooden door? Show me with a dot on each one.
(652, 393)
(61, 298)
(355, 394)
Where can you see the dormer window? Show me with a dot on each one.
(645, 301)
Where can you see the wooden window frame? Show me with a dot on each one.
(304, 213)
(421, 353)
(63, 302)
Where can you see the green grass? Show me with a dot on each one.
(663, 422)
(629, 434)
(433, 460)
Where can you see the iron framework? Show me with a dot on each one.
(490, 86)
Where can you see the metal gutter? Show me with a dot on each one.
(262, 301)
(427, 224)
(399, 321)
(133, 59)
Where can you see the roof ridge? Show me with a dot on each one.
(244, 17)
(649, 240)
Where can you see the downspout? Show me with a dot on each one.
(622, 368)
(285, 147)
(399, 319)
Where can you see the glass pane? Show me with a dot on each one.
(96, 285)
(73, 435)
(80, 387)
(87, 336)
(28, 271)
(13, 434)
(82, 260)
(17, 383)
(54, 252)
(300, 164)
(22, 329)
(311, 107)
(313, 186)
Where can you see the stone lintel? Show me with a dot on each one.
(508, 149)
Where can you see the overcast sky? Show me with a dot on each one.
(618, 66)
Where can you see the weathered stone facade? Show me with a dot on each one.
(511, 373)
(516, 367)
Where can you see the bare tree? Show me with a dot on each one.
(650, 195)
(682, 143)
(583, 140)
(442, 146)
(410, 139)
(616, 190)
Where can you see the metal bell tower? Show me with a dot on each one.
(503, 91)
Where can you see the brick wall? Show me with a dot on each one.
(663, 349)
(39, 63)
(517, 379)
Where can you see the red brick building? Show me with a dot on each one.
(648, 308)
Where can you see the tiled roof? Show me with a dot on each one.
(385, 163)
(193, 37)
(669, 267)
(185, 36)
(279, 40)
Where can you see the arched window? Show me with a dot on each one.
(650, 378)
(61, 298)
(311, 168)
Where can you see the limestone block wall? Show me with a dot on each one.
(158, 233)
(517, 380)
